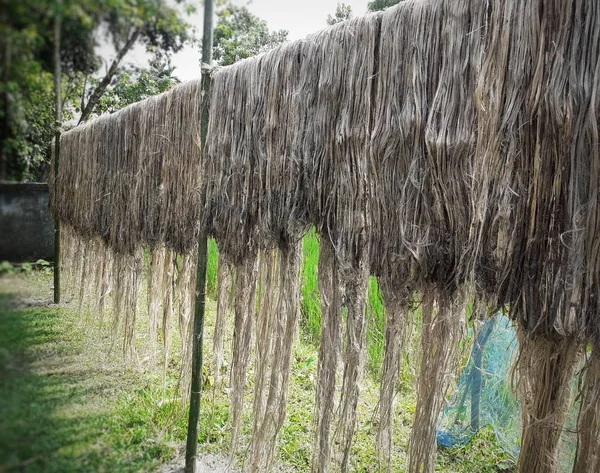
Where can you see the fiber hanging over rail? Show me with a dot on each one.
(449, 148)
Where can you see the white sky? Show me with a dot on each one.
(299, 17)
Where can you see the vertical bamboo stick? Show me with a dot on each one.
(199, 309)
(57, 124)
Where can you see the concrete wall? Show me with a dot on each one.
(26, 224)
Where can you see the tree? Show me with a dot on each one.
(27, 63)
(153, 24)
(27, 99)
(132, 84)
(240, 34)
(26, 90)
(343, 12)
(377, 5)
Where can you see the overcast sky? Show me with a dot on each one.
(299, 17)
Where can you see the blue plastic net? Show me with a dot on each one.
(485, 396)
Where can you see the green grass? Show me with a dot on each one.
(64, 411)
(311, 302)
(311, 306)
(68, 407)
(375, 329)
(212, 269)
(481, 455)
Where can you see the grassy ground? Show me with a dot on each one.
(65, 406)
(68, 407)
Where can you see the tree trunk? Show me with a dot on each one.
(5, 119)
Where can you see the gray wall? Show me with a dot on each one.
(26, 224)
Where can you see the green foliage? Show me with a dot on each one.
(375, 329)
(61, 420)
(26, 110)
(240, 34)
(311, 302)
(342, 12)
(133, 84)
(27, 100)
(212, 269)
(8, 268)
(378, 5)
(482, 454)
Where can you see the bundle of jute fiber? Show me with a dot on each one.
(587, 458)
(454, 50)
(244, 290)
(128, 181)
(397, 307)
(74, 190)
(231, 207)
(255, 193)
(133, 178)
(422, 147)
(98, 278)
(186, 296)
(538, 214)
(102, 279)
(396, 149)
(224, 305)
(275, 335)
(337, 188)
(254, 205)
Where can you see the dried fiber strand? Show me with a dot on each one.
(587, 458)
(245, 293)
(266, 313)
(284, 326)
(224, 303)
(356, 288)
(84, 275)
(186, 295)
(545, 370)
(329, 355)
(132, 295)
(69, 244)
(168, 305)
(105, 287)
(396, 321)
(96, 287)
(155, 297)
(126, 275)
(440, 337)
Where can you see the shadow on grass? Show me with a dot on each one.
(61, 414)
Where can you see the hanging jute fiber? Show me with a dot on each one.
(446, 147)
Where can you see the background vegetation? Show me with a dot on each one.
(91, 84)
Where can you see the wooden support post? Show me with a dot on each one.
(57, 124)
(199, 309)
(56, 225)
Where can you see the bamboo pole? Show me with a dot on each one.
(57, 124)
(199, 308)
